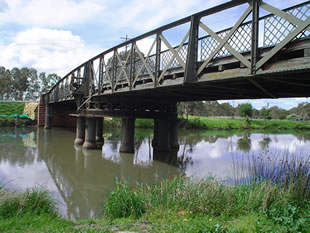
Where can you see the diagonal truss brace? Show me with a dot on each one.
(175, 53)
(122, 67)
(144, 62)
(106, 67)
(300, 26)
(223, 42)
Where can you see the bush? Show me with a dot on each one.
(124, 202)
(292, 117)
(34, 201)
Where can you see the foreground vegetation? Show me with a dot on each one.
(275, 199)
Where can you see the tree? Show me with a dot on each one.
(265, 113)
(20, 82)
(5, 83)
(245, 110)
(33, 89)
(47, 82)
(278, 113)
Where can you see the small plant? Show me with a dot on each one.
(34, 201)
(124, 202)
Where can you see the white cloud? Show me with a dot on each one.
(46, 50)
(49, 12)
(147, 15)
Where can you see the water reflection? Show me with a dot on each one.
(80, 178)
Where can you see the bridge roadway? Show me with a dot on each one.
(260, 56)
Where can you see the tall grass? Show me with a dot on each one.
(35, 201)
(279, 192)
(290, 171)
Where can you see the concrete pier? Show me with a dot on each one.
(155, 133)
(174, 133)
(99, 131)
(90, 134)
(48, 116)
(128, 133)
(164, 135)
(80, 131)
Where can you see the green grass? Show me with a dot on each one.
(9, 108)
(195, 122)
(179, 204)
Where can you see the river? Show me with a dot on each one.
(80, 179)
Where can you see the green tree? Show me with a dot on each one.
(47, 82)
(20, 83)
(5, 83)
(245, 110)
(33, 89)
(265, 113)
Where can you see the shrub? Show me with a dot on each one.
(124, 202)
(34, 201)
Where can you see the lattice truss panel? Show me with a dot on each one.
(166, 56)
(239, 41)
(277, 28)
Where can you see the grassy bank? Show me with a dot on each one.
(275, 199)
(11, 108)
(176, 205)
(195, 122)
(228, 123)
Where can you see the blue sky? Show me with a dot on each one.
(58, 35)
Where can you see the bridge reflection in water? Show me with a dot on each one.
(83, 177)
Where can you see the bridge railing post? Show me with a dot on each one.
(192, 55)
(132, 65)
(255, 34)
(157, 61)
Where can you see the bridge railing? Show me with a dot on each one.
(151, 60)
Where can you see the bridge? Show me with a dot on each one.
(265, 54)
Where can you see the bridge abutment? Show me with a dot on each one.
(90, 134)
(128, 133)
(80, 131)
(48, 116)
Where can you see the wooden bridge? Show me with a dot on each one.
(263, 55)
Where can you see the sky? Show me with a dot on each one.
(55, 36)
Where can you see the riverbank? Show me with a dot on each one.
(8, 112)
(174, 205)
(213, 123)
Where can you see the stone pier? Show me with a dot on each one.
(155, 133)
(164, 135)
(48, 116)
(80, 131)
(99, 131)
(174, 133)
(128, 133)
(90, 134)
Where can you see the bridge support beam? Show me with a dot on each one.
(164, 136)
(99, 131)
(174, 133)
(80, 131)
(48, 116)
(90, 134)
(128, 133)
